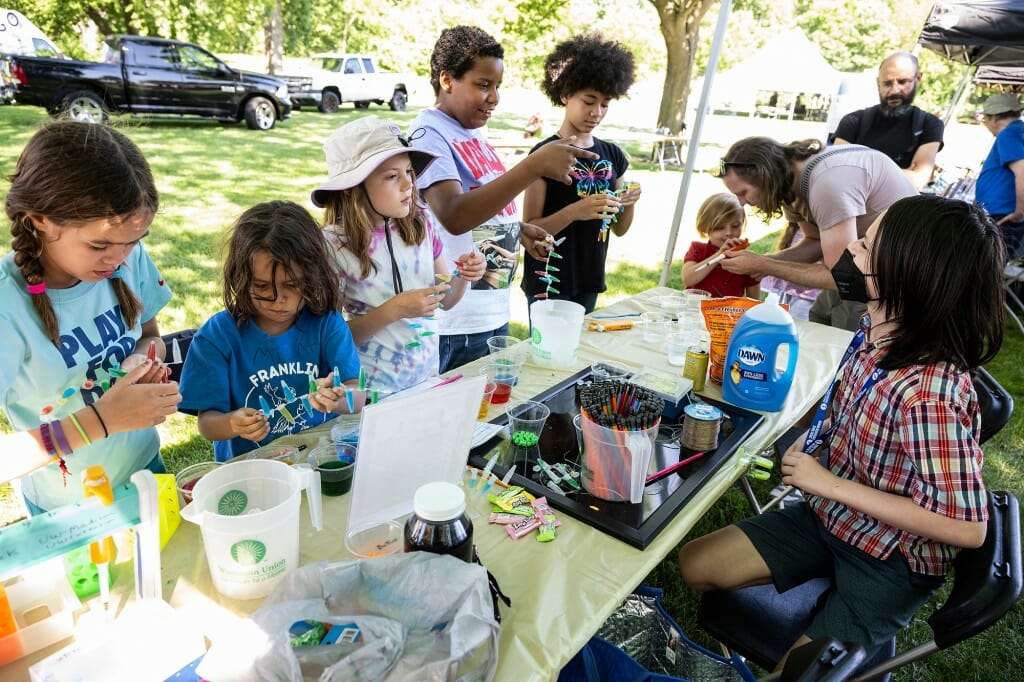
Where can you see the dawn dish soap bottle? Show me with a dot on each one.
(763, 339)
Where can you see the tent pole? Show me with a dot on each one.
(961, 89)
(694, 144)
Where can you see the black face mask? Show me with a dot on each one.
(850, 281)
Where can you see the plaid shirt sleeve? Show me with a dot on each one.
(938, 434)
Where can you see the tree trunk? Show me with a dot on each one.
(274, 33)
(680, 25)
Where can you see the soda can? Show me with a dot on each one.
(695, 366)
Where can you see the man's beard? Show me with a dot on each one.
(898, 110)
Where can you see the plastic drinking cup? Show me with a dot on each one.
(336, 464)
(674, 304)
(504, 375)
(694, 297)
(676, 344)
(526, 421)
(485, 402)
(498, 345)
(655, 326)
(187, 478)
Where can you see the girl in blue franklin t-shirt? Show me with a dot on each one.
(78, 303)
(264, 367)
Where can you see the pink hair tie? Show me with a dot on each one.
(36, 289)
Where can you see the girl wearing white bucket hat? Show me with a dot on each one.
(387, 254)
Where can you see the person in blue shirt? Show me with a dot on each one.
(1000, 186)
(79, 297)
(266, 365)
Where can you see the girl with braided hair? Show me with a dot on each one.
(78, 304)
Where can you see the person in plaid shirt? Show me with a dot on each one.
(896, 488)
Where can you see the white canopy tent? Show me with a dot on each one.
(787, 64)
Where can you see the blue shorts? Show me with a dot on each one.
(460, 349)
(870, 599)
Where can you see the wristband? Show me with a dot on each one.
(81, 431)
(106, 434)
(59, 438)
(44, 434)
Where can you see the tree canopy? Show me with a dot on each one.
(854, 35)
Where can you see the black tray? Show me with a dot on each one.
(635, 524)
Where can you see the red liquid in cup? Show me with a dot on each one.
(501, 394)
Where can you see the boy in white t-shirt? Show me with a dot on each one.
(469, 190)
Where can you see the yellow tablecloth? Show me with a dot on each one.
(561, 591)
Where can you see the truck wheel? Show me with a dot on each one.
(84, 105)
(260, 114)
(330, 103)
(398, 100)
(362, 105)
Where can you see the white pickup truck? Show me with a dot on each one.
(337, 77)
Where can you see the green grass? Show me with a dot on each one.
(209, 173)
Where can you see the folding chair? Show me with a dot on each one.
(177, 345)
(1012, 275)
(760, 624)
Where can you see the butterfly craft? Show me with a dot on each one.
(595, 178)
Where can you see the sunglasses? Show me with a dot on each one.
(724, 166)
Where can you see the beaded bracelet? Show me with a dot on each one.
(81, 431)
(106, 434)
(60, 438)
(44, 434)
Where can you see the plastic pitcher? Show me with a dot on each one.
(248, 512)
(614, 463)
(754, 376)
(556, 332)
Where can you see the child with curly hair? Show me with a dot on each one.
(583, 74)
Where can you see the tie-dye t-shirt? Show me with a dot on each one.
(403, 353)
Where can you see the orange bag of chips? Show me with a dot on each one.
(720, 316)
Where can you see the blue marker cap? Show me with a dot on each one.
(337, 377)
(265, 407)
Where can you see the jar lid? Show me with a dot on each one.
(703, 411)
(439, 501)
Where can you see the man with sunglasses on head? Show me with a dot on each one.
(833, 195)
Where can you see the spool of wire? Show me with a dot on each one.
(700, 427)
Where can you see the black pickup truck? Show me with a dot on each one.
(150, 76)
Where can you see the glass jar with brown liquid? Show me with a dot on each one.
(439, 523)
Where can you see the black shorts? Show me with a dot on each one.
(870, 599)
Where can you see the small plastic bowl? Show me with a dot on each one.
(377, 539)
(186, 479)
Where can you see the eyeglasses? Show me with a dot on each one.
(724, 166)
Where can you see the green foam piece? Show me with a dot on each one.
(81, 572)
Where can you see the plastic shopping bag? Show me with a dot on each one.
(416, 616)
